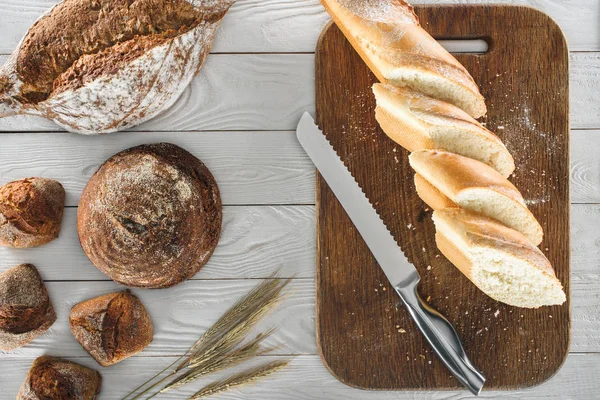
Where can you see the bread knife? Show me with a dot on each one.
(403, 276)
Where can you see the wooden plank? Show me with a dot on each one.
(181, 314)
(258, 240)
(250, 167)
(232, 92)
(270, 92)
(255, 242)
(307, 379)
(354, 341)
(293, 26)
(269, 167)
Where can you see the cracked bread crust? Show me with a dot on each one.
(25, 308)
(52, 378)
(31, 212)
(150, 216)
(111, 327)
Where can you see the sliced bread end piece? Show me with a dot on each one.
(418, 122)
(498, 260)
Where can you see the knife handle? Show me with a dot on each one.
(441, 335)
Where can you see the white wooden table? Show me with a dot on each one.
(238, 117)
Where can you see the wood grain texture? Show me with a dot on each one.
(585, 166)
(294, 26)
(255, 242)
(250, 167)
(307, 379)
(181, 314)
(356, 317)
(270, 92)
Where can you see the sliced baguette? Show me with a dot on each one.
(388, 37)
(447, 178)
(418, 122)
(498, 260)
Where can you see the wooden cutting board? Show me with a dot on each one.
(364, 339)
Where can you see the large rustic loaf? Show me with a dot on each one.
(31, 212)
(497, 259)
(106, 65)
(150, 216)
(111, 327)
(417, 122)
(25, 308)
(52, 378)
(388, 37)
(448, 180)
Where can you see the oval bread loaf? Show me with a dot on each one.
(150, 216)
(111, 327)
(31, 212)
(498, 260)
(52, 378)
(106, 65)
(446, 179)
(25, 307)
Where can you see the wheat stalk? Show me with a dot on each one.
(242, 378)
(211, 351)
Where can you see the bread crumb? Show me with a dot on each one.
(401, 330)
(497, 313)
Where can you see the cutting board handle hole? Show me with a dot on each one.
(474, 46)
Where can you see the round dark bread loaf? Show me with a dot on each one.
(31, 211)
(25, 308)
(111, 327)
(150, 216)
(52, 378)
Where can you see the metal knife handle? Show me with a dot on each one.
(441, 336)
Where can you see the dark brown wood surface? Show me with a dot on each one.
(364, 339)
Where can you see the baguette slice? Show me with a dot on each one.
(388, 37)
(418, 122)
(498, 260)
(450, 180)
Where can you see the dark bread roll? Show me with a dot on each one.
(111, 327)
(150, 216)
(25, 308)
(31, 211)
(52, 378)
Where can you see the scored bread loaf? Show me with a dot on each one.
(31, 212)
(388, 37)
(418, 122)
(25, 307)
(106, 65)
(111, 327)
(150, 216)
(449, 180)
(498, 260)
(53, 378)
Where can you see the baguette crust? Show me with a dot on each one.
(457, 179)
(111, 327)
(419, 122)
(460, 233)
(388, 37)
(25, 307)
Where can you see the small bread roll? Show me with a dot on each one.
(52, 378)
(111, 327)
(150, 216)
(31, 211)
(498, 260)
(25, 308)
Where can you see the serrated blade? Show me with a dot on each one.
(368, 223)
